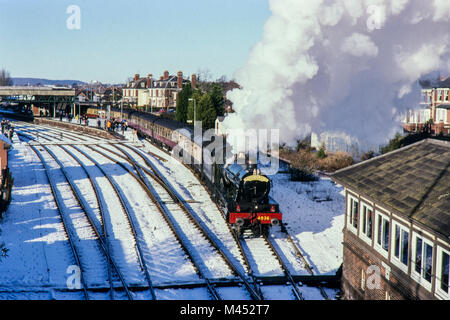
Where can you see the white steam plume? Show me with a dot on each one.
(346, 66)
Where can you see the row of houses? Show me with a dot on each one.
(434, 108)
(155, 93)
(139, 91)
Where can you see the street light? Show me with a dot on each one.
(195, 118)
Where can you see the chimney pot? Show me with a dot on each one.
(166, 75)
(180, 80)
(193, 81)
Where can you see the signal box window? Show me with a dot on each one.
(442, 273)
(401, 246)
(353, 210)
(366, 222)
(423, 261)
(382, 233)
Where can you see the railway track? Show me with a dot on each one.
(126, 208)
(274, 251)
(149, 176)
(71, 240)
(101, 238)
(171, 212)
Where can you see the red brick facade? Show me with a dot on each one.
(393, 284)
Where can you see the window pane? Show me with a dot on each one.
(444, 272)
(350, 216)
(418, 255)
(397, 242)
(364, 220)
(405, 247)
(428, 262)
(369, 224)
(355, 215)
(379, 230)
(386, 235)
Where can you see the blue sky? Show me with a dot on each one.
(120, 38)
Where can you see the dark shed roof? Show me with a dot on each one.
(413, 181)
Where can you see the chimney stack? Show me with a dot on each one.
(180, 80)
(149, 80)
(166, 75)
(161, 78)
(193, 81)
(136, 77)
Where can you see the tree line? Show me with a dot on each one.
(5, 78)
(208, 101)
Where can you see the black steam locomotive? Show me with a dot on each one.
(249, 205)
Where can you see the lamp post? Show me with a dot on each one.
(192, 99)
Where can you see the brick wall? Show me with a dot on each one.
(357, 258)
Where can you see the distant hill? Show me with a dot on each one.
(36, 81)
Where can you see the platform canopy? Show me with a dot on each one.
(37, 94)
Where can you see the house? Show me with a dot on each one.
(434, 108)
(81, 96)
(397, 224)
(155, 94)
(132, 88)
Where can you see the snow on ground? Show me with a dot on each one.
(313, 211)
(39, 254)
(314, 214)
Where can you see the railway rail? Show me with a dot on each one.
(147, 175)
(126, 208)
(163, 208)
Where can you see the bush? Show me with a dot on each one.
(321, 153)
(367, 155)
(305, 162)
(303, 175)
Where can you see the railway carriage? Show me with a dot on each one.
(244, 189)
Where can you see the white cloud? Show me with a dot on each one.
(441, 10)
(359, 45)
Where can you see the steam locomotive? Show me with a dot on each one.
(249, 205)
(242, 186)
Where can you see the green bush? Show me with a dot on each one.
(321, 153)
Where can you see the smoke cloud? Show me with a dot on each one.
(344, 66)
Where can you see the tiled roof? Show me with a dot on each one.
(413, 181)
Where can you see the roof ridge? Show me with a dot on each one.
(380, 156)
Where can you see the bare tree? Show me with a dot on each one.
(204, 75)
(5, 78)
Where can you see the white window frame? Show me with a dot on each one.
(438, 291)
(363, 223)
(377, 246)
(414, 274)
(350, 216)
(441, 115)
(397, 261)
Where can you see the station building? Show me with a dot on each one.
(397, 224)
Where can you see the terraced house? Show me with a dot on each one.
(397, 224)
